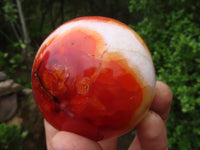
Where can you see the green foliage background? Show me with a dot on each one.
(11, 137)
(170, 28)
(172, 32)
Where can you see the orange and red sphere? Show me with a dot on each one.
(93, 76)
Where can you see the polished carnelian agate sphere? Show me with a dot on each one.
(93, 76)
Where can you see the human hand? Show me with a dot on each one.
(151, 131)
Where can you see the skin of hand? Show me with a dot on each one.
(150, 135)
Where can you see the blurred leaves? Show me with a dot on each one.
(11, 137)
(10, 11)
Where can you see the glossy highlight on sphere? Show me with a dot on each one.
(93, 76)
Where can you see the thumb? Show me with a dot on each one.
(70, 141)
